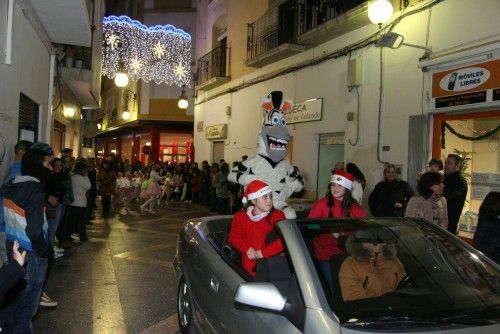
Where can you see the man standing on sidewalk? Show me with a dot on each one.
(23, 204)
(455, 190)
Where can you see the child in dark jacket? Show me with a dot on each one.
(251, 227)
(25, 222)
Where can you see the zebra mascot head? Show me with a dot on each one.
(274, 136)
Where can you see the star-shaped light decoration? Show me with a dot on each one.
(112, 41)
(136, 64)
(180, 71)
(159, 50)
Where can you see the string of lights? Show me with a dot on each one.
(161, 54)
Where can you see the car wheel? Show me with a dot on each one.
(184, 306)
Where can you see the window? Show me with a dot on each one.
(28, 119)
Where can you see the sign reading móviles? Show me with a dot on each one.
(465, 85)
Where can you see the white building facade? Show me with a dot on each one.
(31, 86)
(390, 121)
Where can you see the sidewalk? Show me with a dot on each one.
(121, 280)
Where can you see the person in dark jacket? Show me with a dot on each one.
(455, 190)
(12, 272)
(487, 236)
(390, 196)
(24, 201)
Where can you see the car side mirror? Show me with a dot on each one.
(260, 294)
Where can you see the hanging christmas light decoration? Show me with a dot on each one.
(161, 54)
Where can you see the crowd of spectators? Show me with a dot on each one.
(49, 201)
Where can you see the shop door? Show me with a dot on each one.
(331, 151)
(217, 151)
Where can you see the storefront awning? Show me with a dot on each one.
(144, 125)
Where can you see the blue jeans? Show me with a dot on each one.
(23, 304)
(53, 223)
(326, 270)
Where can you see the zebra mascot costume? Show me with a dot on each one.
(269, 164)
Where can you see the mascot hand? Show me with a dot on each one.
(245, 179)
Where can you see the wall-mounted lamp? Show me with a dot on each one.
(127, 96)
(380, 11)
(394, 41)
(183, 100)
(99, 126)
(69, 112)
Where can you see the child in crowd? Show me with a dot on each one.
(252, 225)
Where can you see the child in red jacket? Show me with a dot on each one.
(338, 203)
(251, 226)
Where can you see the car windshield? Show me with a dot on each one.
(390, 269)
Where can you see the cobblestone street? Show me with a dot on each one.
(121, 280)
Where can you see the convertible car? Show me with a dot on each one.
(447, 287)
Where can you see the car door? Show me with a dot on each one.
(227, 317)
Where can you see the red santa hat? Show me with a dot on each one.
(255, 189)
(342, 178)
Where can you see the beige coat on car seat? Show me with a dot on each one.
(371, 272)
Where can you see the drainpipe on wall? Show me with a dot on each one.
(48, 134)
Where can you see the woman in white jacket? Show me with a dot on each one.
(77, 210)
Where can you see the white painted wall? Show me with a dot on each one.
(28, 74)
(402, 91)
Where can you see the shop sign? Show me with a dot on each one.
(466, 85)
(216, 131)
(307, 111)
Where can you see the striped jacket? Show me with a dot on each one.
(24, 216)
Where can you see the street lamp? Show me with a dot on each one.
(69, 112)
(183, 100)
(380, 11)
(127, 96)
(121, 79)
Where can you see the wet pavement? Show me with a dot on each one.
(122, 279)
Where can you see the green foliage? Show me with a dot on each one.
(466, 159)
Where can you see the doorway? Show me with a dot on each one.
(331, 151)
(476, 138)
(217, 151)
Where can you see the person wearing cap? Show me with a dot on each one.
(338, 203)
(372, 267)
(252, 225)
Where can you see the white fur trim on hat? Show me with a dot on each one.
(341, 180)
(257, 194)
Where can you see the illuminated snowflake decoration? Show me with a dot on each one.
(112, 40)
(136, 64)
(161, 54)
(159, 50)
(180, 71)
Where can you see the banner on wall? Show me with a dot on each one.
(473, 84)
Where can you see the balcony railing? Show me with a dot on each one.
(213, 65)
(315, 13)
(77, 57)
(276, 27)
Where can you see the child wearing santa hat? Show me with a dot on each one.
(338, 203)
(251, 226)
